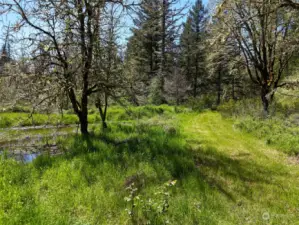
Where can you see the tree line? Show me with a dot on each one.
(70, 52)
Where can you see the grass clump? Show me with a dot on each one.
(26, 119)
(138, 113)
(115, 114)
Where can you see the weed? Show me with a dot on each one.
(154, 209)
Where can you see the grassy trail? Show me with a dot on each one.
(224, 176)
(261, 185)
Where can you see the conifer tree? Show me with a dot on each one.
(193, 47)
(152, 47)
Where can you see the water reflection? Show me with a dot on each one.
(26, 157)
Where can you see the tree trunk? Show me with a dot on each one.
(81, 113)
(84, 110)
(163, 49)
(265, 100)
(233, 88)
(133, 98)
(219, 88)
(103, 113)
(83, 124)
(195, 86)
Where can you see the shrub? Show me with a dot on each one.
(202, 103)
(246, 107)
(156, 96)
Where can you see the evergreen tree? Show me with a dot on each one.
(193, 47)
(152, 46)
(146, 37)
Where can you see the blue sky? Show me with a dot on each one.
(125, 32)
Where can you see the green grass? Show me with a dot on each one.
(279, 130)
(224, 176)
(281, 134)
(25, 119)
(115, 113)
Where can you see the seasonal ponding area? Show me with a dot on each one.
(173, 165)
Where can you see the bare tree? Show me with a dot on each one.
(63, 33)
(265, 36)
(108, 64)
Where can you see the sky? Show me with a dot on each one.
(125, 31)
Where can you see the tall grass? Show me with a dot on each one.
(284, 135)
(280, 129)
(87, 185)
(26, 119)
(115, 113)
(224, 176)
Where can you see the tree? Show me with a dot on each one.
(264, 35)
(5, 55)
(225, 65)
(170, 33)
(107, 64)
(193, 46)
(70, 30)
(152, 46)
(142, 55)
(177, 86)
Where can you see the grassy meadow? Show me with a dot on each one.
(159, 165)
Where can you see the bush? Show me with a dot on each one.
(202, 103)
(5, 122)
(152, 210)
(246, 107)
(253, 107)
(17, 109)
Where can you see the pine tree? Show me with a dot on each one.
(227, 72)
(146, 35)
(193, 47)
(152, 46)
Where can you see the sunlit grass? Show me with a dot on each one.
(224, 176)
(115, 113)
(26, 119)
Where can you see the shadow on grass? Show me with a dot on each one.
(167, 153)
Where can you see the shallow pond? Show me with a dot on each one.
(26, 157)
(25, 145)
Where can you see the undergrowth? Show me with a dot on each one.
(280, 129)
